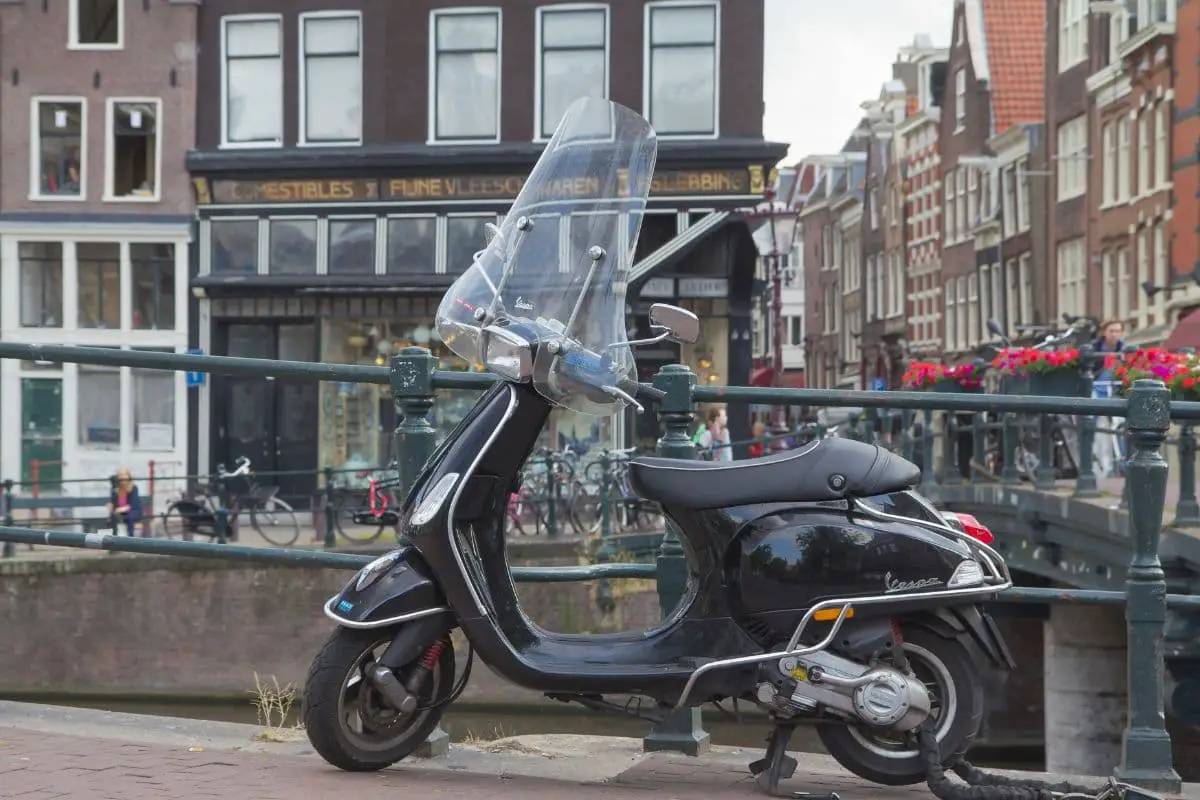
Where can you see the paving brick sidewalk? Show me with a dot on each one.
(38, 766)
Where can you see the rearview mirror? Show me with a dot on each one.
(681, 326)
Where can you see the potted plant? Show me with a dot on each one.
(1040, 372)
(1179, 371)
(932, 377)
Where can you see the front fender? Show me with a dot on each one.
(394, 588)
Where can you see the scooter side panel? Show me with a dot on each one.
(788, 559)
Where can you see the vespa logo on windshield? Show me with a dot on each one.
(523, 304)
(894, 584)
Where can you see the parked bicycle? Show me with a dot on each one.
(608, 484)
(195, 512)
(1064, 430)
(362, 515)
(549, 479)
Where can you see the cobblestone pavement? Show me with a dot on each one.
(38, 766)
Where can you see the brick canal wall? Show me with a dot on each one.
(150, 625)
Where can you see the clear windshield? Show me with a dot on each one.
(554, 275)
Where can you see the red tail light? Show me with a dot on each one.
(975, 529)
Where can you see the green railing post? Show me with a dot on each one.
(411, 378)
(908, 444)
(1146, 745)
(10, 548)
(604, 593)
(221, 523)
(1187, 510)
(980, 430)
(410, 373)
(1085, 481)
(950, 467)
(1045, 474)
(682, 731)
(330, 530)
(928, 481)
(1009, 474)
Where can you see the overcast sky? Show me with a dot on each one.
(825, 57)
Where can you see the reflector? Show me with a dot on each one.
(975, 529)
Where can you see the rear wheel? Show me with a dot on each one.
(951, 673)
(348, 721)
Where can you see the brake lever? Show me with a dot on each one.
(615, 392)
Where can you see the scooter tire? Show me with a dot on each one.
(327, 677)
(960, 660)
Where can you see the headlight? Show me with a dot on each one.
(372, 572)
(969, 573)
(507, 354)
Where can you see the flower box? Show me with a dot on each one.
(1056, 373)
(927, 376)
(1180, 372)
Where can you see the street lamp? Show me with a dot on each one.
(773, 227)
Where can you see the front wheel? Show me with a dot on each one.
(275, 521)
(348, 721)
(951, 672)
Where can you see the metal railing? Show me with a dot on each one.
(1147, 408)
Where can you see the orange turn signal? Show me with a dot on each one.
(831, 614)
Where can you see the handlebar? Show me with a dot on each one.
(243, 468)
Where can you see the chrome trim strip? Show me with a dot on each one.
(845, 604)
(462, 482)
(380, 623)
(722, 466)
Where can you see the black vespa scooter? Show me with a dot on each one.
(822, 588)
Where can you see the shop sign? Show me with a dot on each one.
(703, 287)
(296, 191)
(669, 183)
(658, 287)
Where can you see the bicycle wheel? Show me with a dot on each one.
(275, 521)
(185, 519)
(348, 505)
(584, 510)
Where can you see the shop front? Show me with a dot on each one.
(351, 269)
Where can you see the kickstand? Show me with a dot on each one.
(777, 765)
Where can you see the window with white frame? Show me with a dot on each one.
(331, 78)
(466, 75)
(1124, 307)
(1021, 175)
(972, 197)
(41, 284)
(252, 80)
(1072, 158)
(233, 246)
(681, 71)
(98, 283)
(96, 24)
(1143, 272)
(152, 278)
(1072, 33)
(1072, 277)
(351, 243)
(960, 203)
(960, 308)
(960, 99)
(58, 153)
(1012, 297)
(951, 227)
(1118, 32)
(1109, 139)
(1143, 145)
(1008, 210)
(133, 169)
(1025, 271)
(1108, 275)
(973, 287)
(1162, 144)
(1160, 266)
(153, 408)
(1151, 12)
(574, 60)
(1124, 167)
(993, 307)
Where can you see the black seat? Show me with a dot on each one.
(829, 469)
